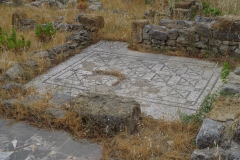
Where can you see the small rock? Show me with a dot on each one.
(230, 88)
(40, 54)
(15, 72)
(57, 112)
(31, 100)
(61, 48)
(237, 71)
(210, 132)
(200, 45)
(31, 64)
(207, 154)
(59, 99)
(172, 34)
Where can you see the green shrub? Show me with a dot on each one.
(45, 33)
(10, 41)
(225, 72)
(205, 108)
(209, 11)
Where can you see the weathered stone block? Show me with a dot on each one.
(61, 48)
(215, 42)
(207, 154)
(182, 41)
(184, 4)
(137, 30)
(204, 19)
(15, 72)
(200, 45)
(111, 113)
(184, 23)
(91, 22)
(210, 132)
(31, 64)
(224, 48)
(172, 34)
(203, 29)
(227, 28)
(226, 36)
(158, 33)
(171, 43)
(231, 88)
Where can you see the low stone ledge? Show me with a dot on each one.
(111, 113)
(210, 133)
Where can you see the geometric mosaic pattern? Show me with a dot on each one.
(160, 83)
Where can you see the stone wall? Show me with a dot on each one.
(203, 36)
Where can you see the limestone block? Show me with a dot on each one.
(111, 113)
(200, 45)
(172, 34)
(203, 29)
(184, 23)
(137, 30)
(61, 48)
(182, 41)
(159, 33)
(171, 43)
(15, 72)
(91, 22)
(31, 64)
(210, 132)
(207, 154)
(227, 28)
(215, 42)
(231, 88)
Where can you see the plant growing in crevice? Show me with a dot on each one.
(225, 72)
(45, 33)
(205, 108)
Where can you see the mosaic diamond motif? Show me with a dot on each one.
(153, 80)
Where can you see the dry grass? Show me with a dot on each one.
(115, 73)
(154, 139)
